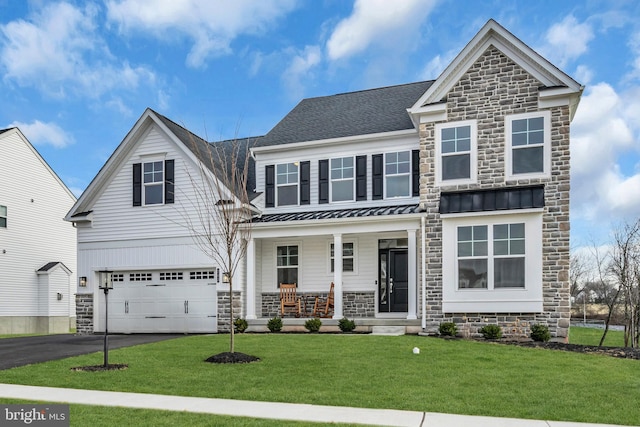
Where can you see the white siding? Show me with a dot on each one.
(36, 232)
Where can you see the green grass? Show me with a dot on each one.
(591, 336)
(453, 376)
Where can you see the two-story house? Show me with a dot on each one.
(443, 200)
(37, 248)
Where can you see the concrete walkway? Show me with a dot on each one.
(279, 411)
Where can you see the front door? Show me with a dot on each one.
(393, 281)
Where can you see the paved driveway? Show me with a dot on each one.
(27, 350)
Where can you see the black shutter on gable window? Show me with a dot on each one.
(361, 177)
(269, 186)
(415, 173)
(305, 183)
(377, 176)
(137, 184)
(169, 181)
(323, 181)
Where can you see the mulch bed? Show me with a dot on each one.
(622, 352)
(234, 357)
(100, 368)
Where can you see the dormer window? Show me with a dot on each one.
(153, 183)
(153, 178)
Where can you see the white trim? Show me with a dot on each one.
(354, 242)
(353, 180)
(473, 153)
(546, 146)
(288, 184)
(296, 243)
(385, 184)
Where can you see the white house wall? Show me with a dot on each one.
(36, 233)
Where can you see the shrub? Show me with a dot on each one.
(275, 324)
(241, 325)
(313, 325)
(491, 332)
(448, 329)
(346, 325)
(540, 333)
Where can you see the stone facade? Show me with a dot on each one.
(224, 308)
(354, 304)
(84, 314)
(493, 87)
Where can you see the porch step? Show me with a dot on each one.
(388, 330)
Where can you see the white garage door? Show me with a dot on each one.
(163, 301)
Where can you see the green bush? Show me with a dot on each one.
(275, 324)
(240, 325)
(346, 325)
(540, 333)
(448, 329)
(491, 332)
(313, 325)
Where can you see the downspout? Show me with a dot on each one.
(424, 275)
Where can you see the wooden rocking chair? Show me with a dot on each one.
(324, 307)
(289, 301)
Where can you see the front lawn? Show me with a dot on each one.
(453, 376)
(591, 336)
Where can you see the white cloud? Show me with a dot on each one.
(602, 139)
(299, 70)
(567, 40)
(211, 25)
(388, 24)
(583, 74)
(39, 133)
(58, 50)
(437, 65)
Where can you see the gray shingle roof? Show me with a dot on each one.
(348, 114)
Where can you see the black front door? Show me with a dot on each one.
(393, 283)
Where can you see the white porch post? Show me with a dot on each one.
(251, 280)
(413, 276)
(337, 276)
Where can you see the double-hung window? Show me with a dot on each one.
(348, 252)
(528, 144)
(287, 264)
(342, 179)
(153, 182)
(3, 216)
(397, 171)
(491, 257)
(287, 184)
(456, 152)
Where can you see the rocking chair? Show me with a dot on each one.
(324, 307)
(289, 301)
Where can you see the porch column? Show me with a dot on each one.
(413, 276)
(337, 276)
(251, 280)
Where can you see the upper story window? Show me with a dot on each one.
(287, 184)
(528, 145)
(3, 216)
(153, 183)
(456, 152)
(397, 171)
(342, 179)
(153, 179)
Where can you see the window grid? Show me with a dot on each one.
(171, 275)
(397, 169)
(153, 179)
(139, 277)
(455, 146)
(200, 275)
(287, 264)
(348, 257)
(287, 184)
(342, 179)
(528, 144)
(117, 277)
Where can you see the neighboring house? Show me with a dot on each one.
(131, 220)
(448, 200)
(37, 247)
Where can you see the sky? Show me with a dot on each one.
(76, 75)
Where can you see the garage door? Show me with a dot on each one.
(163, 301)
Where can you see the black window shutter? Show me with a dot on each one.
(361, 177)
(137, 184)
(270, 187)
(415, 173)
(323, 181)
(305, 183)
(377, 176)
(169, 181)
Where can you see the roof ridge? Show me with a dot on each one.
(370, 89)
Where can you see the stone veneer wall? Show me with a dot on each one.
(224, 308)
(354, 304)
(84, 314)
(492, 88)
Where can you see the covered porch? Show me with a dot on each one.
(375, 280)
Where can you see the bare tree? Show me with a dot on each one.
(218, 211)
(601, 261)
(624, 267)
